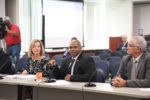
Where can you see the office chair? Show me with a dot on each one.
(100, 76)
(59, 59)
(90, 54)
(96, 58)
(100, 52)
(112, 61)
(22, 64)
(108, 51)
(115, 69)
(104, 56)
(104, 66)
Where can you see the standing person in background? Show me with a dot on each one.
(13, 39)
(134, 70)
(123, 45)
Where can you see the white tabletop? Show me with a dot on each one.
(28, 80)
(122, 91)
(62, 84)
(104, 88)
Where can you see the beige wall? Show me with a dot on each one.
(12, 10)
(2, 8)
(141, 19)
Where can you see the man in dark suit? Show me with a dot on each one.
(6, 66)
(123, 45)
(79, 69)
(135, 67)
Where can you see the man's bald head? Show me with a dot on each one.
(75, 48)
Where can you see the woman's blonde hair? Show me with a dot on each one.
(30, 53)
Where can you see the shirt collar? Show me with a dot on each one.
(138, 58)
(76, 56)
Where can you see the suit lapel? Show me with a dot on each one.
(68, 63)
(129, 68)
(139, 65)
(76, 64)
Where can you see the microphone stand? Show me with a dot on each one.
(89, 84)
(49, 79)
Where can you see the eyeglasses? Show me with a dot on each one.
(130, 46)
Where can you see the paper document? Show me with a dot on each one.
(26, 77)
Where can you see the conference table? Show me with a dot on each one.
(9, 86)
(65, 90)
(60, 90)
(105, 91)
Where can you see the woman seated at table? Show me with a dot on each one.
(37, 61)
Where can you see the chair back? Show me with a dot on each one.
(96, 58)
(90, 54)
(100, 52)
(115, 69)
(59, 59)
(104, 66)
(112, 61)
(104, 56)
(100, 76)
(108, 51)
(22, 64)
(118, 54)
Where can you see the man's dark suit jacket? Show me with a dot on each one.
(121, 45)
(83, 69)
(143, 71)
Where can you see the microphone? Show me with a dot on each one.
(100, 71)
(50, 78)
(89, 84)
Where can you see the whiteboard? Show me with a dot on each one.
(63, 20)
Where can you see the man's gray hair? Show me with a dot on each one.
(140, 42)
(124, 36)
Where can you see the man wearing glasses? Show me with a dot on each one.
(78, 67)
(134, 70)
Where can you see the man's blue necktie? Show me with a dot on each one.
(70, 66)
